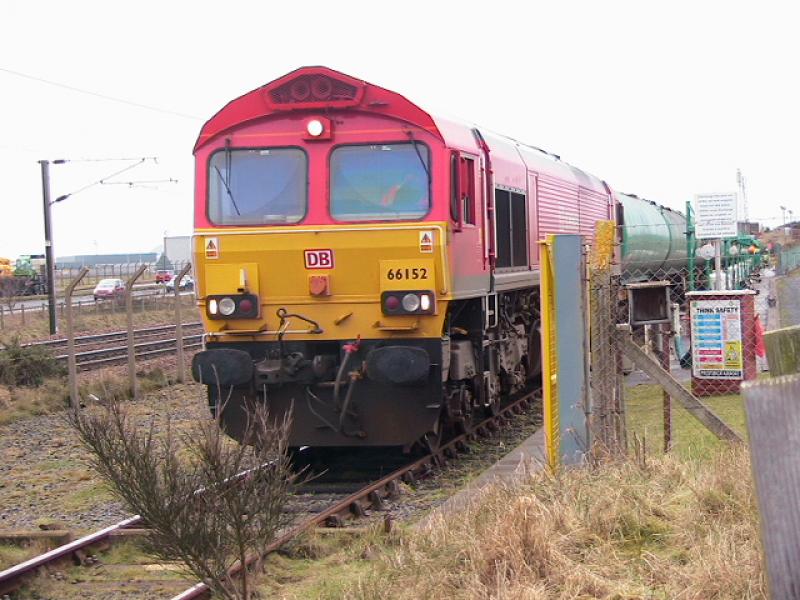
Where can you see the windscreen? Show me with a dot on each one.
(380, 182)
(257, 186)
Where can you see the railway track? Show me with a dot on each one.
(114, 336)
(95, 359)
(107, 349)
(327, 503)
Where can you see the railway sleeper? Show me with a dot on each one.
(376, 501)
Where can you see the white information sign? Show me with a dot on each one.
(715, 216)
(716, 339)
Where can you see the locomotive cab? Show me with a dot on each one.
(322, 260)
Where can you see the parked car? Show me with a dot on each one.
(164, 275)
(187, 283)
(109, 288)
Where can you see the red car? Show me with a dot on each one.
(164, 275)
(109, 288)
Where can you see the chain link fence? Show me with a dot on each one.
(788, 260)
(149, 294)
(706, 341)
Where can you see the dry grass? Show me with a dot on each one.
(669, 528)
(53, 395)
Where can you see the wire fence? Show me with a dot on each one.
(150, 295)
(706, 341)
(788, 260)
(32, 281)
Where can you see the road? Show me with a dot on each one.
(85, 298)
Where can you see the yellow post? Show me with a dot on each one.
(549, 356)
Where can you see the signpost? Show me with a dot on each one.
(717, 339)
(715, 218)
(722, 330)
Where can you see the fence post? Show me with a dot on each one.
(773, 420)
(129, 320)
(2, 319)
(22, 312)
(783, 350)
(607, 420)
(74, 401)
(667, 403)
(179, 322)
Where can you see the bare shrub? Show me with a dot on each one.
(9, 292)
(211, 503)
(27, 365)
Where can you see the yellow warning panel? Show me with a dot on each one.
(426, 242)
(211, 245)
(733, 355)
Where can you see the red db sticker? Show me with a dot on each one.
(319, 259)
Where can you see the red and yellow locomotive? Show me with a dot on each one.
(368, 266)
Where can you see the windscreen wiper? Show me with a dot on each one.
(226, 181)
(227, 189)
(419, 156)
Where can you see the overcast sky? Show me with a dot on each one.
(664, 100)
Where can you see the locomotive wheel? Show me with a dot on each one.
(457, 418)
(432, 441)
(535, 351)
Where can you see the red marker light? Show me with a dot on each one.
(392, 303)
(246, 306)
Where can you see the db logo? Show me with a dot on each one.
(319, 259)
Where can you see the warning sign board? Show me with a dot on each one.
(212, 247)
(716, 339)
(715, 216)
(426, 242)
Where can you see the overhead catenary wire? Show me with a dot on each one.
(102, 180)
(99, 95)
(139, 182)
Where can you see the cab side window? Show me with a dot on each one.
(467, 187)
(462, 190)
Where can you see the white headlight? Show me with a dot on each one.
(227, 306)
(411, 303)
(212, 307)
(425, 302)
(315, 127)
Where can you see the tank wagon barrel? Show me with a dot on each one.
(653, 236)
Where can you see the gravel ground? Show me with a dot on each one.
(43, 472)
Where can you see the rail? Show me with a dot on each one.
(85, 340)
(97, 358)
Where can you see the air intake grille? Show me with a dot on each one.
(312, 89)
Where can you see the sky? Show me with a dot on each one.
(665, 100)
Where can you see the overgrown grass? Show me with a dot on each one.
(53, 395)
(666, 528)
(690, 438)
(11, 555)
